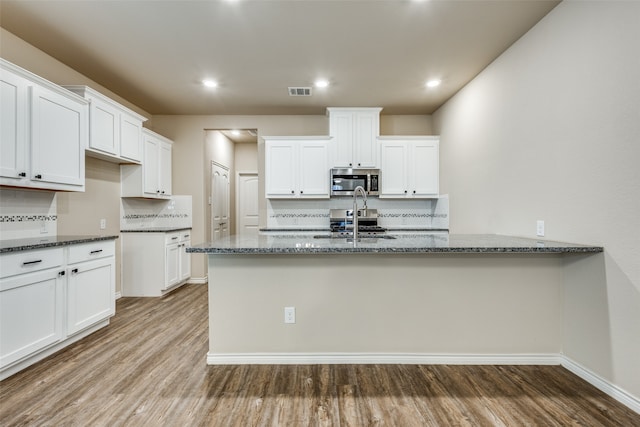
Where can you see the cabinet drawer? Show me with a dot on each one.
(29, 261)
(89, 251)
(185, 235)
(173, 237)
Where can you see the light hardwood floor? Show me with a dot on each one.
(148, 369)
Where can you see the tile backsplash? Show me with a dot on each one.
(140, 214)
(27, 214)
(392, 213)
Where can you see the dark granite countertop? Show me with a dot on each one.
(156, 230)
(423, 242)
(17, 245)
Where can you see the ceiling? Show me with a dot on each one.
(374, 53)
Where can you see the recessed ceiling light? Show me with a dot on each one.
(235, 132)
(433, 83)
(321, 83)
(210, 83)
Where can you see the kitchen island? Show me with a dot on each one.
(415, 298)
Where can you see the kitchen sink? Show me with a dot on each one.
(327, 236)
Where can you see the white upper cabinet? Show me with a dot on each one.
(296, 167)
(151, 179)
(44, 132)
(115, 132)
(354, 132)
(409, 167)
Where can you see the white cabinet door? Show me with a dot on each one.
(425, 169)
(104, 132)
(296, 168)
(151, 165)
(90, 293)
(354, 132)
(280, 169)
(185, 259)
(164, 171)
(13, 128)
(393, 167)
(59, 135)
(367, 130)
(409, 167)
(130, 137)
(31, 314)
(151, 179)
(172, 264)
(341, 129)
(314, 169)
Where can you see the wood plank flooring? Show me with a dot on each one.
(148, 369)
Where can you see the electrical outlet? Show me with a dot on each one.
(103, 224)
(43, 228)
(289, 315)
(540, 228)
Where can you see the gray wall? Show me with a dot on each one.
(551, 131)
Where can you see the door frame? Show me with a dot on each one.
(237, 196)
(228, 169)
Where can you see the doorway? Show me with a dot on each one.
(219, 201)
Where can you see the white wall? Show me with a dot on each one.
(551, 131)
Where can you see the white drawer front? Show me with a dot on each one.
(93, 250)
(185, 235)
(173, 237)
(29, 261)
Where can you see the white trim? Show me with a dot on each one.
(381, 358)
(600, 383)
(198, 280)
(118, 295)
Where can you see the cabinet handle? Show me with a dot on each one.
(32, 262)
(97, 251)
(174, 238)
(186, 235)
(38, 176)
(22, 174)
(74, 271)
(62, 273)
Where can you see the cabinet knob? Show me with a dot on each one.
(38, 176)
(359, 164)
(62, 273)
(292, 192)
(405, 191)
(74, 271)
(350, 164)
(301, 191)
(414, 191)
(22, 174)
(162, 191)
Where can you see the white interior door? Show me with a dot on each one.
(247, 204)
(219, 201)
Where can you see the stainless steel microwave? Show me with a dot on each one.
(344, 181)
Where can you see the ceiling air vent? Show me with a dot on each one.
(299, 91)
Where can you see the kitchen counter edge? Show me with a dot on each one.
(482, 243)
(18, 245)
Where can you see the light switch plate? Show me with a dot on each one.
(540, 228)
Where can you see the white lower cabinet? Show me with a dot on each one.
(154, 263)
(91, 285)
(52, 297)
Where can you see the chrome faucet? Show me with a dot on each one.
(358, 189)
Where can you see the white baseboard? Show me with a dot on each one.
(380, 358)
(603, 385)
(198, 280)
(118, 295)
